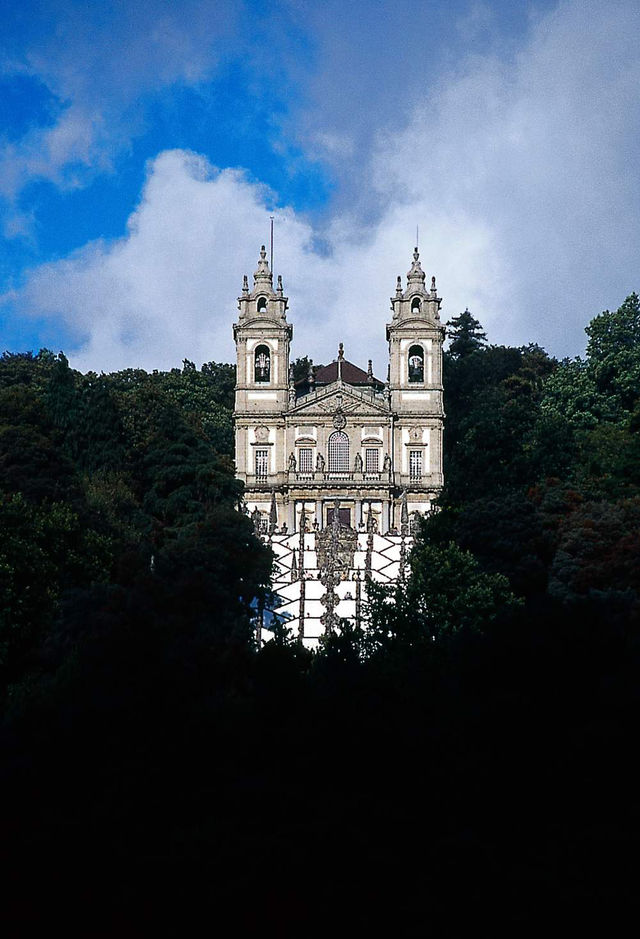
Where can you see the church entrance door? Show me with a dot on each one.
(344, 516)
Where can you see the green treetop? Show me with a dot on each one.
(466, 335)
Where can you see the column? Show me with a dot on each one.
(358, 513)
(319, 512)
(385, 517)
(291, 516)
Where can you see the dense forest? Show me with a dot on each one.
(469, 757)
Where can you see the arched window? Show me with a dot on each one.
(416, 363)
(416, 305)
(262, 304)
(338, 452)
(262, 370)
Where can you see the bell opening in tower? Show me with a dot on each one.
(262, 372)
(416, 364)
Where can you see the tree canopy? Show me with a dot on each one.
(470, 751)
(465, 334)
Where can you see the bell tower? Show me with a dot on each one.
(263, 338)
(415, 337)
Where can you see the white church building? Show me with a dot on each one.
(338, 465)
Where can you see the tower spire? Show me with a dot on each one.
(415, 274)
(263, 276)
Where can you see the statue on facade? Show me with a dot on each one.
(386, 465)
(357, 463)
(320, 463)
(292, 462)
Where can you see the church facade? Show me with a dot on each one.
(337, 465)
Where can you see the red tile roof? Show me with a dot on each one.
(350, 374)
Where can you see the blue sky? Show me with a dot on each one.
(144, 145)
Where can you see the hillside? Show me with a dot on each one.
(471, 752)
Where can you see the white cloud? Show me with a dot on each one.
(167, 290)
(58, 153)
(535, 159)
(520, 174)
(100, 63)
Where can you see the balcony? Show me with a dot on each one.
(324, 480)
(338, 479)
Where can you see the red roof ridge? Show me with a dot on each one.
(351, 374)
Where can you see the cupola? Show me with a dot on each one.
(262, 302)
(416, 302)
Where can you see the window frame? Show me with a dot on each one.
(338, 456)
(261, 458)
(304, 454)
(373, 454)
(416, 461)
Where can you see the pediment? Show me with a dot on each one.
(410, 322)
(264, 319)
(339, 397)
